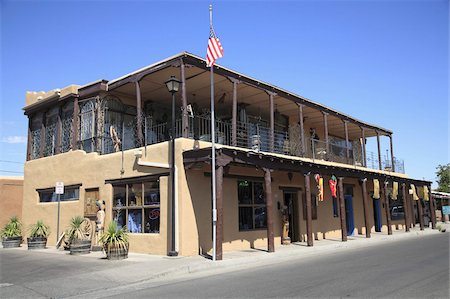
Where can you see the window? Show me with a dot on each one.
(66, 127)
(137, 205)
(35, 131)
(71, 193)
(51, 120)
(87, 126)
(252, 205)
(313, 206)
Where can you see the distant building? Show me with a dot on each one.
(108, 140)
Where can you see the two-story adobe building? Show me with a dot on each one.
(282, 161)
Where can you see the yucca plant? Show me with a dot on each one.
(77, 229)
(39, 230)
(12, 229)
(115, 241)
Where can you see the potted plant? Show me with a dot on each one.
(12, 233)
(38, 235)
(79, 235)
(115, 242)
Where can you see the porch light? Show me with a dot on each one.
(173, 84)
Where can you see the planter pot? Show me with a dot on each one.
(11, 242)
(37, 243)
(116, 253)
(80, 247)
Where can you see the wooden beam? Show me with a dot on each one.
(413, 213)
(309, 235)
(432, 209)
(392, 153)
(342, 209)
(234, 115)
(269, 210)
(302, 130)
(379, 151)
(75, 124)
(327, 141)
(420, 209)
(219, 208)
(272, 123)
(405, 208)
(185, 117)
(386, 208)
(366, 207)
(139, 114)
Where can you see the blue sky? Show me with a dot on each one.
(385, 62)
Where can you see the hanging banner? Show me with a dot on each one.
(319, 181)
(376, 189)
(394, 190)
(414, 194)
(333, 183)
(426, 193)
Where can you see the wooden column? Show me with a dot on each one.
(269, 210)
(379, 151)
(309, 234)
(185, 117)
(405, 208)
(366, 207)
(413, 214)
(219, 208)
(327, 142)
(420, 210)
(272, 123)
(234, 115)
(387, 209)
(363, 147)
(42, 147)
(58, 132)
(342, 209)
(392, 153)
(29, 140)
(139, 114)
(75, 125)
(347, 146)
(302, 130)
(432, 209)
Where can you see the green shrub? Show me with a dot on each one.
(78, 229)
(39, 230)
(12, 229)
(115, 237)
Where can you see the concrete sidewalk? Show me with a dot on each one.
(141, 268)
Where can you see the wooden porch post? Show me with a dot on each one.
(347, 146)
(327, 143)
(29, 138)
(413, 213)
(363, 147)
(302, 131)
(269, 210)
(379, 151)
(234, 114)
(139, 113)
(185, 118)
(342, 209)
(366, 207)
(75, 125)
(272, 123)
(432, 209)
(392, 153)
(309, 235)
(42, 148)
(420, 209)
(386, 208)
(405, 208)
(219, 208)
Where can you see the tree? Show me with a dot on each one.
(443, 175)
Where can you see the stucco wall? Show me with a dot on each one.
(11, 193)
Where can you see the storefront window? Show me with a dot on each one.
(252, 205)
(138, 206)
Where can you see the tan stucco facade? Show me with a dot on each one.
(11, 193)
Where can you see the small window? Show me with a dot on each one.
(252, 205)
(137, 205)
(49, 195)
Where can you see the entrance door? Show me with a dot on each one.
(90, 207)
(349, 214)
(291, 202)
(377, 214)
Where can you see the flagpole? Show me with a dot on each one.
(213, 154)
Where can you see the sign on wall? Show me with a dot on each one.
(59, 188)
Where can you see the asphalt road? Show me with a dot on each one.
(417, 268)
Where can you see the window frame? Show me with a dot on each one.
(54, 199)
(253, 205)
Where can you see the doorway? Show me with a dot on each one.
(348, 198)
(90, 207)
(291, 202)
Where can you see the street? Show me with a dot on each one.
(413, 267)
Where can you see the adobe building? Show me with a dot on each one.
(11, 195)
(276, 153)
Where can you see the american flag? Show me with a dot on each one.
(214, 50)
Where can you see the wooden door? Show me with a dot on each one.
(90, 208)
